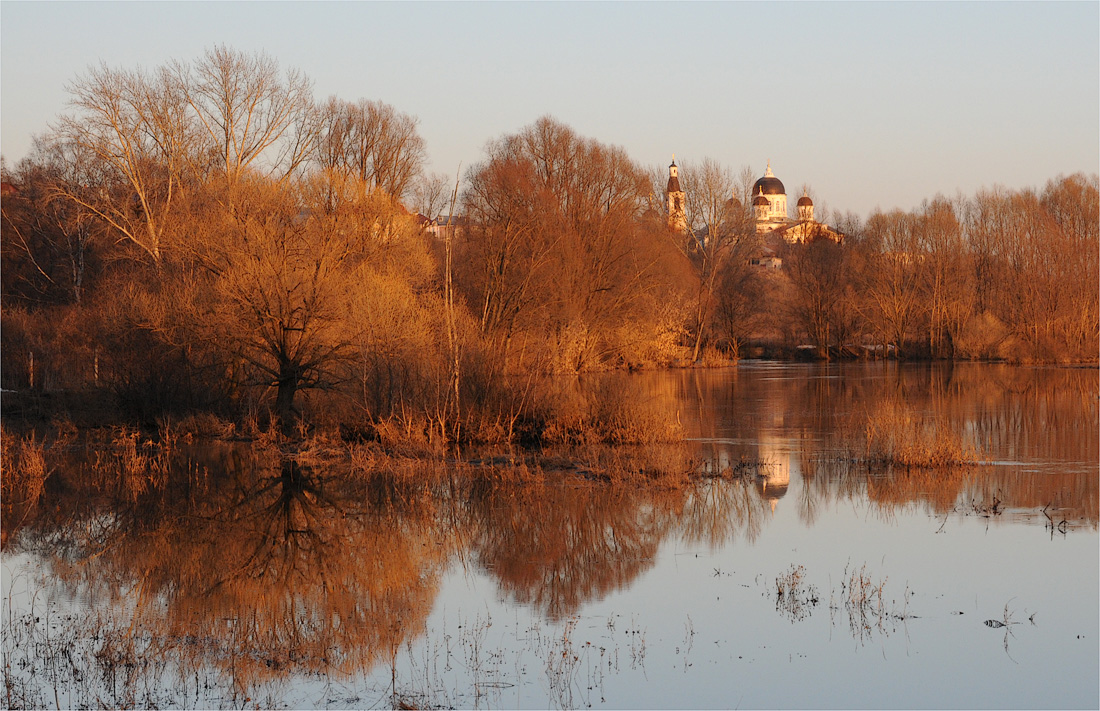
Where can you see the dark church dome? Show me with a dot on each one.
(769, 185)
(761, 200)
(805, 201)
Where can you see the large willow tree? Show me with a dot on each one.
(558, 250)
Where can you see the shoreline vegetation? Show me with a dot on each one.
(613, 438)
(610, 435)
(280, 270)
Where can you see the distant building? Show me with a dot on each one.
(677, 220)
(769, 209)
(767, 259)
(446, 226)
(769, 204)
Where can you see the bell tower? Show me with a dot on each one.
(761, 206)
(805, 208)
(677, 219)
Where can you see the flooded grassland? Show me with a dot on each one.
(800, 563)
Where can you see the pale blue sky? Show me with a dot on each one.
(871, 104)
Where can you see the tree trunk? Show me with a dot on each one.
(698, 344)
(284, 399)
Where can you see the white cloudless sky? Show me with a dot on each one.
(873, 105)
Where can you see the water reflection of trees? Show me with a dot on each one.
(255, 566)
(276, 567)
(718, 511)
(985, 490)
(252, 567)
(1010, 413)
(559, 546)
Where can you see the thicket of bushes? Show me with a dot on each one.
(263, 258)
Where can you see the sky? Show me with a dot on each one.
(872, 105)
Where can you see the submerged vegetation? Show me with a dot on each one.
(895, 434)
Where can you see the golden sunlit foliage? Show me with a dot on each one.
(206, 237)
(558, 259)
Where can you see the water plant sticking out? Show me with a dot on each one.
(793, 596)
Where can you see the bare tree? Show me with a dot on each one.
(553, 224)
(983, 223)
(273, 290)
(892, 279)
(432, 194)
(250, 114)
(950, 293)
(373, 142)
(739, 303)
(506, 246)
(720, 233)
(820, 273)
(130, 134)
(51, 234)
(1073, 204)
(746, 178)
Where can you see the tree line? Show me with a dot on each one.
(208, 236)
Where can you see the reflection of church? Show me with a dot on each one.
(775, 475)
(769, 208)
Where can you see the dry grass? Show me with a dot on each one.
(138, 471)
(894, 434)
(611, 412)
(319, 450)
(25, 470)
(861, 593)
(200, 425)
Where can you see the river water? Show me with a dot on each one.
(796, 579)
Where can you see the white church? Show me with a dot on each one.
(769, 206)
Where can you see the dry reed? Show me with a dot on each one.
(608, 413)
(200, 425)
(794, 597)
(894, 434)
(23, 478)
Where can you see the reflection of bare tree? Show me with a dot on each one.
(807, 499)
(557, 547)
(945, 490)
(717, 511)
(274, 570)
(887, 488)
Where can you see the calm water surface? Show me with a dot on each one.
(248, 583)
